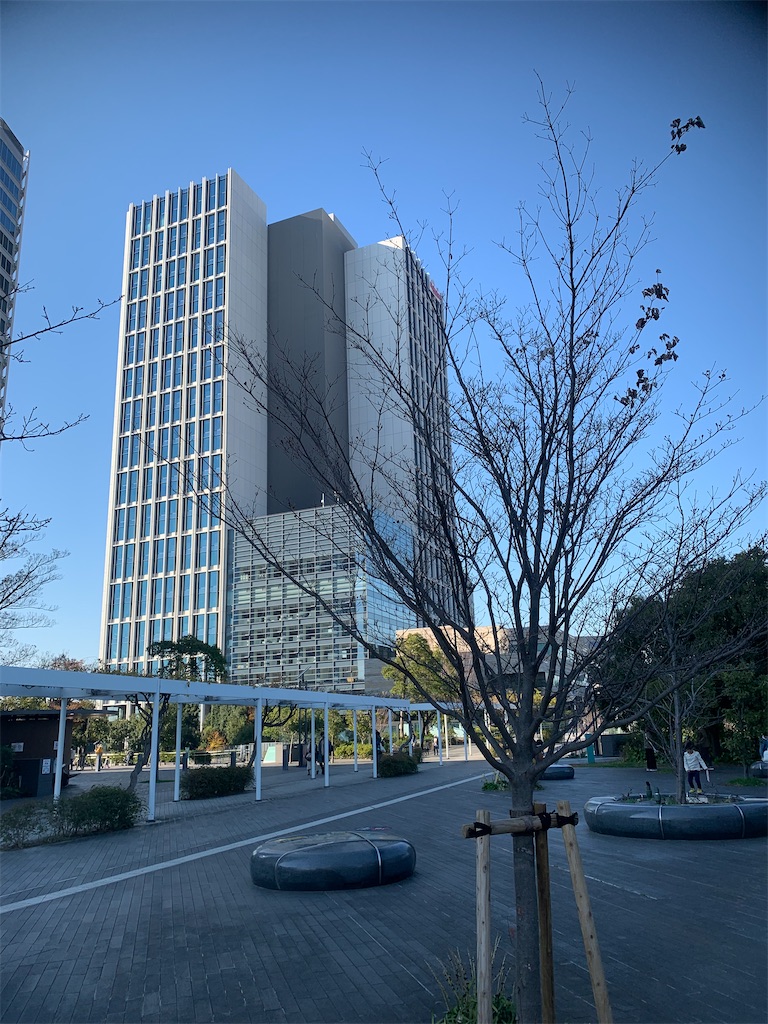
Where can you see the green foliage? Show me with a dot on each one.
(22, 825)
(396, 764)
(233, 722)
(346, 751)
(497, 782)
(633, 751)
(459, 988)
(201, 783)
(420, 672)
(100, 809)
(201, 757)
(189, 658)
(190, 728)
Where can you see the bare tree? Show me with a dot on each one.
(25, 574)
(30, 427)
(565, 495)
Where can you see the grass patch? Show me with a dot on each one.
(459, 988)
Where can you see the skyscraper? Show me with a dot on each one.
(14, 167)
(202, 269)
(195, 261)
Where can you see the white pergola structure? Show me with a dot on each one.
(65, 686)
(443, 745)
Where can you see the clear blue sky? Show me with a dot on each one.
(119, 101)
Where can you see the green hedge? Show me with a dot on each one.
(347, 751)
(396, 764)
(200, 783)
(100, 809)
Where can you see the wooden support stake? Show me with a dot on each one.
(545, 923)
(589, 934)
(483, 918)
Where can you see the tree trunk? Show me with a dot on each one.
(527, 976)
(677, 748)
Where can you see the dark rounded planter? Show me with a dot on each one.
(558, 771)
(333, 860)
(743, 819)
(758, 770)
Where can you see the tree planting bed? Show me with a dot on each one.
(645, 819)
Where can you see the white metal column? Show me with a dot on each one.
(60, 749)
(153, 754)
(257, 741)
(177, 765)
(326, 759)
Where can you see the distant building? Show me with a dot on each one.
(202, 267)
(14, 168)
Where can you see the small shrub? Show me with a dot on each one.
(201, 783)
(100, 809)
(459, 988)
(396, 764)
(22, 825)
(201, 757)
(498, 781)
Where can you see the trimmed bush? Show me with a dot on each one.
(200, 757)
(100, 809)
(201, 783)
(23, 825)
(396, 764)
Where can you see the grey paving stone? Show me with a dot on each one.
(198, 943)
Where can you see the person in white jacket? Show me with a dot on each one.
(694, 763)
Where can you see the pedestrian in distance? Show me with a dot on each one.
(650, 753)
(764, 747)
(694, 764)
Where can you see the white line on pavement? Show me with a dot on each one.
(151, 868)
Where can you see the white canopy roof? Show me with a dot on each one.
(55, 683)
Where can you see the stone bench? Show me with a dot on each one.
(333, 860)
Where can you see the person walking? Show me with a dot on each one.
(650, 753)
(694, 763)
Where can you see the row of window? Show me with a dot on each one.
(198, 551)
(168, 374)
(211, 325)
(188, 477)
(177, 305)
(200, 439)
(201, 399)
(176, 240)
(177, 205)
(119, 636)
(213, 262)
(10, 161)
(161, 596)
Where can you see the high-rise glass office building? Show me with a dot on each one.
(195, 262)
(14, 167)
(202, 267)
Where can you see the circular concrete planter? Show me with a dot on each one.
(758, 770)
(558, 771)
(743, 819)
(333, 860)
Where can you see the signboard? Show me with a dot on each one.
(17, 748)
(46, 766)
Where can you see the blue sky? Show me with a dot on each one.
(119, 101)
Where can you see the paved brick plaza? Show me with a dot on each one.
(682, 925)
